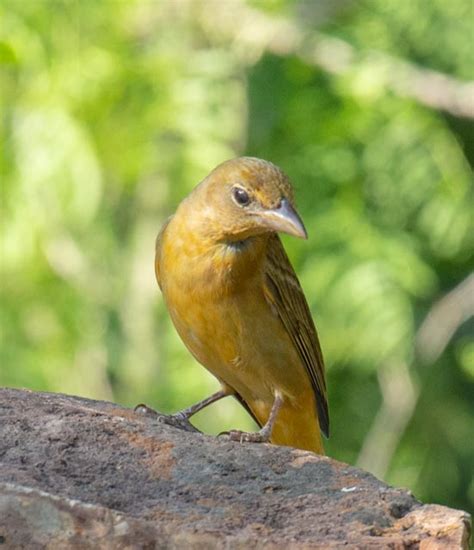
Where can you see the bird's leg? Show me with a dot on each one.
(193, 409)
(181, 418)
(263, 436)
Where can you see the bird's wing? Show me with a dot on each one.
(284, 293)
(158, 243)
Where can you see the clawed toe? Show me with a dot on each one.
(246, 437)
(178, 421)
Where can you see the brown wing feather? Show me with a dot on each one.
(284, 292)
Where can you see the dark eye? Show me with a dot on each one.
(241, 196)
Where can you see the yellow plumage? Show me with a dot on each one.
(238, 306)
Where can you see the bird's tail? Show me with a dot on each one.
(296, 425)
(297, 428)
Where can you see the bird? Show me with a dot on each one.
(236, 302)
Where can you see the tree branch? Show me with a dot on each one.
(399, 389)
(254, 33)
(443, 320)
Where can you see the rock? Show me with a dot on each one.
(76, 473)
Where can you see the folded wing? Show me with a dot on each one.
(283, 291)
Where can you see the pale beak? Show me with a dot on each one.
(284, 219)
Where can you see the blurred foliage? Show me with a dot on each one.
(110, 114)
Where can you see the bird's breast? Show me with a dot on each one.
(216, 301)
(205, 296)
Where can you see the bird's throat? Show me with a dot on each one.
(239, 246)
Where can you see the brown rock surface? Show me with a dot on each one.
(83, 474)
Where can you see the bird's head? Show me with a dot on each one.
(247, 197)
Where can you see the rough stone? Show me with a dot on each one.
(76, 473)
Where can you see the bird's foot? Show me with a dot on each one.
(178, 420)
(247, 437)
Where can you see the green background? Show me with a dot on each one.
(112, 111)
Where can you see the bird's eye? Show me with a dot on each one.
(241, 196)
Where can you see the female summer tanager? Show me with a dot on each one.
(237, 304)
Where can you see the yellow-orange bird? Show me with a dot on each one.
(236, 302)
